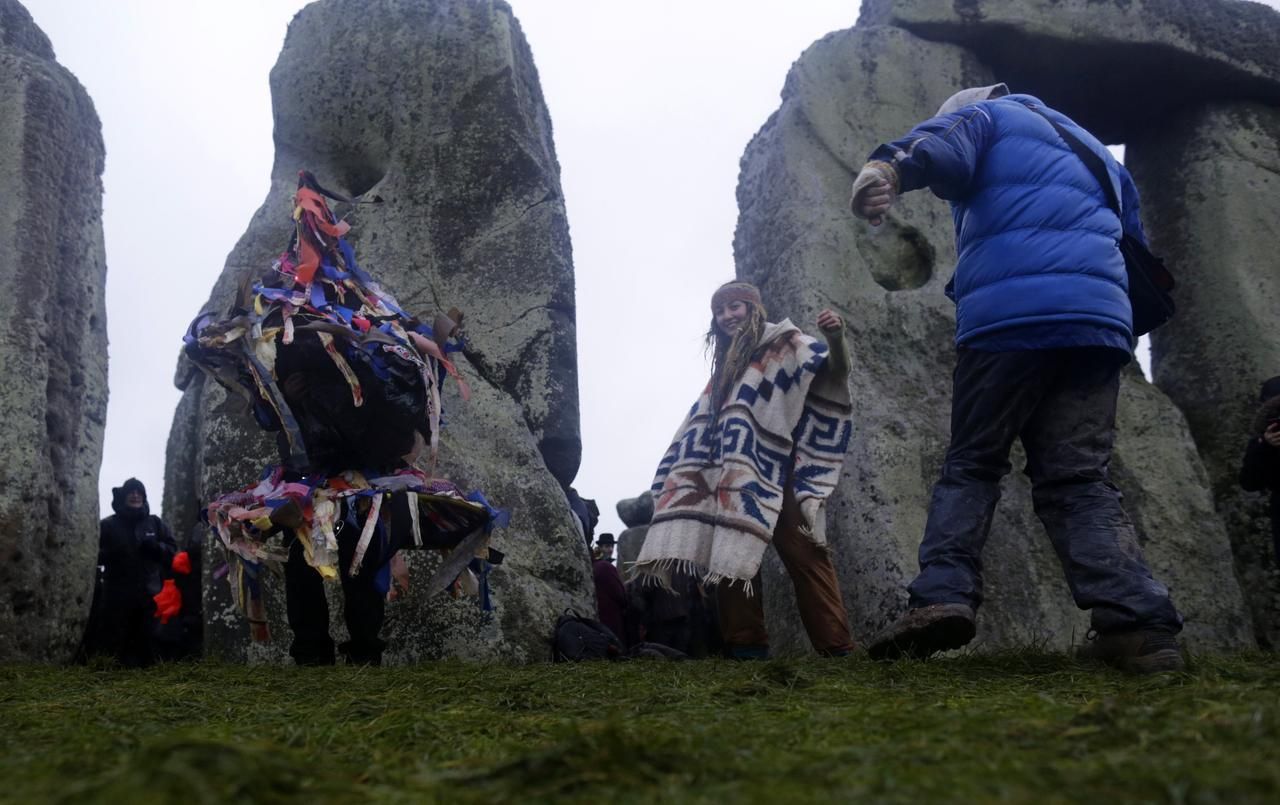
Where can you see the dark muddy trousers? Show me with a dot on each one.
(308, 610)
(1062, 404)
(817, 593)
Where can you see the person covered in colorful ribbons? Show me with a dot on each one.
(352, 386)
(135, 594)
(753, 465)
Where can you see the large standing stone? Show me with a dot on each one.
(435, 108)
(1211, 199)
(1117, 65)
(636, 511)
(796, 239)
(54, 350)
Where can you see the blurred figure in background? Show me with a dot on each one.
(135, 597)
(1261, 469)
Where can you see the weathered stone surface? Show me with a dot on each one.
(435, 107)
(796, 239)
(1211, 199)
(54, 346)
(1113, 65)
(630, 541)
(636, 511)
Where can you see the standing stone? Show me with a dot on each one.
(796, 239)
(635, 514)
(1118, 65)
(1211, 199)
(435, 108)
(630, 541)
(636, 511)
(54, 350)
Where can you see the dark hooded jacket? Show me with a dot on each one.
(1260, 470)
(135, 550)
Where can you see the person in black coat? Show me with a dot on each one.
(1261, 467)
(136, 554)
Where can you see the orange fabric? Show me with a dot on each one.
(310, 209)
(182, 563)
(429, 348)
(168, 601)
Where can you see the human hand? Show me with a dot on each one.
(830, 322)
(874, 192)
(1272, 434)
(875, 202)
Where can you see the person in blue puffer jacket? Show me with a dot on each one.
(1043, 327)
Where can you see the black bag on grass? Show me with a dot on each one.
(577, 638)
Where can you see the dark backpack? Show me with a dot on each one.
(577, 638)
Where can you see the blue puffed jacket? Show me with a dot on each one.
(1039, 263)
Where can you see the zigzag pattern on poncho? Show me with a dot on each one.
(719, 488)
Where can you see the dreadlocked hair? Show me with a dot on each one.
(730, 356)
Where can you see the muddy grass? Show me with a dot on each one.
(1016, 728)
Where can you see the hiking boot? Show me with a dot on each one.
(924, 631)
(1145, 651)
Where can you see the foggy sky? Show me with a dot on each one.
(652, 105)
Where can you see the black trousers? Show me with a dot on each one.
(308, 610)
(125, 629)
(1062, 404)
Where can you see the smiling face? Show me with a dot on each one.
(730, 317)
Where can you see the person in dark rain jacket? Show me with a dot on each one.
(135, 594)
(1261, 467)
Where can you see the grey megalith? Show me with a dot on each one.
(434, 107)
(55, 345)
(1214, 215)
(1117, 64)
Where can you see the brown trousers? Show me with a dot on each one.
(817, 592)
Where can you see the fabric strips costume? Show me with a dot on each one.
(719, 488)
(352, 386)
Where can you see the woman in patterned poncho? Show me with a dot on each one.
(752, 465)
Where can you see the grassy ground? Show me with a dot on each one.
(1019, 728)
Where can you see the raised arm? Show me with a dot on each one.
(832, 327)
(941, 153)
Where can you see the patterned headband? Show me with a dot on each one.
(735, 292)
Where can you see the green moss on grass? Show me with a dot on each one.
(1015, 728)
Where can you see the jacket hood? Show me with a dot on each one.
(1267, 412)
(971, 95)
(1270, 389)
(119, 493)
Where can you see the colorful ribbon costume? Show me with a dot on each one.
(352, 386)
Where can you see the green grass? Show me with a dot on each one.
(1018, 728)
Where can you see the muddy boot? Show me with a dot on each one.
(1144, 651)
(924, 631)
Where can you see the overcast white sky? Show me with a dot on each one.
(652, 104)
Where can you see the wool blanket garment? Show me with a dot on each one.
(719, 488)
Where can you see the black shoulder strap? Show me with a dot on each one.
(1091, 160)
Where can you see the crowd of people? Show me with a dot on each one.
(1044, 326)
